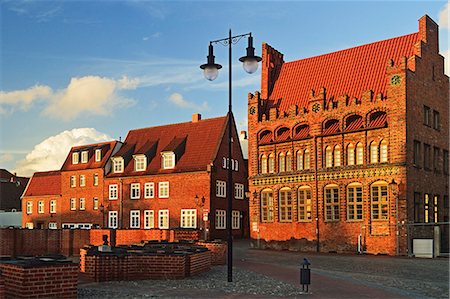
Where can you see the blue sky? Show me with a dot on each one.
(85, 71)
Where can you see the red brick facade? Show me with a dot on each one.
(331, 145)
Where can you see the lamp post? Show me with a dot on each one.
(201, 203)
(211, 71)
(394, 190)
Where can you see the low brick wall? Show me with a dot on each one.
(41, 280)
(218, 252)
(198, 263)
(2, 287)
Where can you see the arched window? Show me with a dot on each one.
(379, 201)
(354, 202)
(267, 205)
(328, 157)
(271, 163)
(359, 154)
(331, 202)
(350, 154)
(377, 119)
(283, 134)
(265, 137)
(264, 164)
(337, 155)
(288, 161)
(306, 160)
(373, 152)
(383, 151)
(304, 203)
(285, 205)
(300, 160)
(301, 131)
(353, 122)
(330, 126)
(281, 162)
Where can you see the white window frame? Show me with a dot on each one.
(29, 207)
(52, 225)
(82, 180)
(140, 163)
(29, 225)
(98, 155)
(135, 191)
(221, 189)
(118, 165)
(135, 219)
(113, 191)
(149, 219)
(75, 158)
(41, 208)
(239, 191)
(84, 156)
(188, 218)
(221, 219)
(95, 180)
(167, 160)
(113, 219)
(236, 220)
(82, 204)
(164, 186)
(52, 206)
(73, 204)
(95, 203)
(149, 190)
(73, 181)
(163, 219)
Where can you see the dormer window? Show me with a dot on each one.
(140, 163)
(168, 160)
(98, 155)
(75, 158)
(84, 156)
(117, 165)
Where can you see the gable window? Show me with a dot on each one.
(75, 158)
(221, 188)
(379, 201)
(149, 219)
(84, 156)
(135, 191)
(359, 154)
(52, 206)
(304, 203)
(73, 181)
(163, 188)
(98, 155)
(189, 218)
(168, 160)
(436, 120)
(271, 163)
(29, 207)
(264, 164)
(113, 191)
(416, 158)
(149, 190)
(135, 219)
(41, 207)
(82, 204)
(82, 180)
(117, 164)
(140, 163)
(350, 154)
(285, 205)
(95, 179)
(383, 151)
(332, 203)
(95, 203)
(163, 219)
(235, 220)
(373, 152)
(220, 219)
(239, 191)
(112, 219)
(267, 205)
(289, 161)
(354, 201)
(73, 204)
(281, 162)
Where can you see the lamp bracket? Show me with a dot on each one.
(226, 41)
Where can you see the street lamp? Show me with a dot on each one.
(211, 71)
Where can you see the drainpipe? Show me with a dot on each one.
(317, 195)
(121, 203)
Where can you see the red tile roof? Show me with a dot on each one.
(201, 142)
(106, 147)
(351, 71)
(44, 183)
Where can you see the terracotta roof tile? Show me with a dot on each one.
(44, 183)
(351, 71)
(106, 147)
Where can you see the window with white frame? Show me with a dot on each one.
(29, 225)
(149, 219)
(135, 219)
(239, 191)
(112, 219)
(379, 201)
(236, 165)
(149, 190)
(73, 204)
(304, 203)
(95, 203)
(168, 160)
(95, 179)
(354, 201)
(188, 218)
(221, 188)
(82, 180)
(29, 207)
(84, 156)
(98, 155)
(113, 191)
(140, 162)
(267, 205)
(52, 206)
(285, 204)
(332, 203)
(52, 225)
(135, 191)
(236, 220)
(41, 207)
(117, 164)
(163, 190)
(82, 204)
(75, 158)
(73, 181)
(163, 219)
(220, 219)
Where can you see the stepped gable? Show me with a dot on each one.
(44, 183)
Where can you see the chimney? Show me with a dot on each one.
(196, 117)
(243, 135)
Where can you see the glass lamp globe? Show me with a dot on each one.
(210, 72)
(250, 65)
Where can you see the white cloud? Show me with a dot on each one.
(51, 153)
(443, 17)
(179, 101)
(23, 99)
(6, 157)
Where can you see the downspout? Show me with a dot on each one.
(317, 195)
(121, 204)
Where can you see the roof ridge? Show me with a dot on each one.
(48, 172)
(177, 124)
(92, 144)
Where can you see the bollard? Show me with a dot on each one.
(305, 275)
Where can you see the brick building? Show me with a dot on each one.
(348, 149)
(11, 189)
